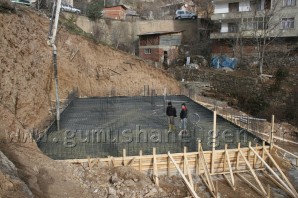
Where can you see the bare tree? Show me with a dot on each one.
(264, 27)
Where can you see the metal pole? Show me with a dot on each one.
(56, 86)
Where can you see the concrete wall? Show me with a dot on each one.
(127, 32)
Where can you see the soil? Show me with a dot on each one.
(26, 102)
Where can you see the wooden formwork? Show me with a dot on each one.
(164, 166)
(228, 163)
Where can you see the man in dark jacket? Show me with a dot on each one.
(171, 113)
(183, 117)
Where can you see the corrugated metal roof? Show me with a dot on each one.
(159, 33)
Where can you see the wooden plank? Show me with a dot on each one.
(188, 172)
(224, 158)
(140, 161)
(184, 161)
(155, 173)
(230, 184)
(198, 159)
(282, 174)
(188, 185)
(263, 153)
(254, 174)
(206, 184)
(206, 171)
(238, 156)
(131, 161)
(124, 157)
(276, 183)
(112, 162)
(230, 166)
(255, 159)
(288, 152)
(168, 167)
(272, 171)
(250, 184)
(213, 142)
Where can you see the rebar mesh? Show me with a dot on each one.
(101, 127)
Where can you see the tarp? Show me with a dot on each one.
(223, 61)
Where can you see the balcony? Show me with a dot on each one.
(230, 35)
(223, 35)
(236, 15)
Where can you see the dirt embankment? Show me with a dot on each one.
(26, 77)
(27, 94)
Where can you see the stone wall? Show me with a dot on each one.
(113, 32)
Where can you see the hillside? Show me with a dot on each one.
(27, 96)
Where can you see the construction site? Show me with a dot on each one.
(81, 119)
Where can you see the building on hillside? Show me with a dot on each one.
(242, 22)
(115, 12)
(120, 12)
(160, 46)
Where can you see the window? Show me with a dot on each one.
(233, 27)
(147, 51)
(289, 2)
(234, 7)
(287, 23)
(256, 5)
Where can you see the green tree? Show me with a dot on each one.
(94, 9)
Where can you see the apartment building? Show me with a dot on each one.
(251, 19)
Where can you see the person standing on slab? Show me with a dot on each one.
(171, 113)
(183, 117)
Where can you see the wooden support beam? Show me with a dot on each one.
(238, 156)
(155, 173)
(124, 157)
(188, 185)
(288, 152)
(277, 183)
(213, 142)
(184, 161)
(206, 171)
(225, 158)
(230, 166)
(253, 173)
(131, 161)
(229, 182)
(248, 152)
(140, 160)
(198, 162)
(112, 162)
(250, 184)
(188, 171)
(272, 171)
(282, 174)
(255, 159)
(168, 167)
(210, 190)
(263, 153)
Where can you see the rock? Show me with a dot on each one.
(135, 180)
(152, 192)
(113, 196)
(111, 191)
(114, 178)
(129, 183)
(95, 191)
